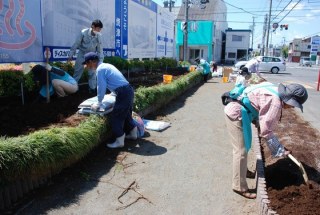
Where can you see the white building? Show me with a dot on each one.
(237, 44)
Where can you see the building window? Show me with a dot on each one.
(194, 53)
(236, 38)
(309, 47)
(231, 55)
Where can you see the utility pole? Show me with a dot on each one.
(264, 34)
(170, 6)
(268, 29)
(253, 25)
(185, 33)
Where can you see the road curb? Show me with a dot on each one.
(263, 201)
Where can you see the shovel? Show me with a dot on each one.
(299, 164)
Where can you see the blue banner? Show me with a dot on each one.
(118, 28)
(20, 31)
(124, 14)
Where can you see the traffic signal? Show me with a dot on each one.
(284, 26)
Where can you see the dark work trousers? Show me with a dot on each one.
(121, 115)
(205, 77)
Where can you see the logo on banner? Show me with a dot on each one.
(16, 29)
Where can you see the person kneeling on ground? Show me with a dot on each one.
(266, 102)
(109, 77)
(59, 81)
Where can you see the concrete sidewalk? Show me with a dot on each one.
(185, 169)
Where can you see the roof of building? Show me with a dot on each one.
(238, 30)
(196, 13)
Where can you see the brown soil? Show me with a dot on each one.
(286, 189)
(17, 119)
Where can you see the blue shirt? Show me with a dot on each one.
(108, 77)
(54, 75)
(66, 77)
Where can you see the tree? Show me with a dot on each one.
(284, 51)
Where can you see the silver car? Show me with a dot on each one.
(272, 64)
(267, 63)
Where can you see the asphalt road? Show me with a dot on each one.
(308, 77)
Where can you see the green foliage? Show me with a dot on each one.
(168, 62)
(118, 62)
(66, 66)
(149, 96)
(285, 51)
(10, 82)
(136, 64)
(184, 64)
(43, 151)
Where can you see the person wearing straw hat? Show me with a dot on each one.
(109, 77)
(265, 103)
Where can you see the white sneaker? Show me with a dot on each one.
(119, 143)
(133, 134)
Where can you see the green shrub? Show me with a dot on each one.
(148, 96)
(168, 62)
(43, 151)
(10, 82)
(118, 62)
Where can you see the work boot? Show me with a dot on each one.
(133, 134)
(119, 143)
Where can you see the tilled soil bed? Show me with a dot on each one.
(17, 119)
(286, 189)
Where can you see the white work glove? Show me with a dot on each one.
(96, 106)
(48, 67)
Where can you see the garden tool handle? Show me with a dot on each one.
(294, 159)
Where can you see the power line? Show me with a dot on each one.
(282, 10)
(238, 8)
(290, 10)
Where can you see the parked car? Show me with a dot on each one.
(267, 63)
(305, 61)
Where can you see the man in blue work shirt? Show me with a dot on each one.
(109, 77)
(89, 40)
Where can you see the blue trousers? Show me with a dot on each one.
(121, 115)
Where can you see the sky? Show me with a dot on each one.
(301, 16)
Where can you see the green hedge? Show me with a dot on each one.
(50, 150)
(148, 96)
(53, 149)
(10, 80)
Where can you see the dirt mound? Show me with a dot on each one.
(286, 189)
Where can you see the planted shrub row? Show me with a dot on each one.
(34, 157)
